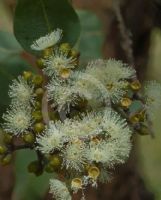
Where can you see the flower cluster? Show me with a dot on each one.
(80, 122)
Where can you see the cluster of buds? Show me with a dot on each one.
(79, 121)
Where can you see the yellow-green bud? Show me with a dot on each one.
(126, 102)
(39, 127)
(65, 48)
(135, 85)
(37, 80)
(29, 138)
(37, 105)
(3, 150)
(135, 118)
(49, 168)
(55, 161)
(74, 53)
(39, 92)
(27, 75)
(37, 115)
(40, 63)
(7, 139)
(47, 52)
(6, 159)
(34, 167)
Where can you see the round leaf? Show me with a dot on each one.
(34, 19)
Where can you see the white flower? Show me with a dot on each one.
(17, 119)
(58, 62)
(74, 156)
(113, 75)
(21, 91)
(59, 190)
(47, 41)
(97, 152)
(112, 68)
(82, 127)
(114, 125)
(88, 87)
(118, 144)
(51, 139)
(153, 98)
(61, 94)
(117, 151)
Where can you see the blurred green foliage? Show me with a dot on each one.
(150, 149)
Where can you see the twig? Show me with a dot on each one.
(45, 112)
(125, 34)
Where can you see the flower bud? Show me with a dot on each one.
(47, 52)
(37, 105)
(65, 48)
(37, 80)
(34, 167)
(7, 139)
(27, 75)
(40, 63)
(126, 102)
(3, 150)
(49, 168)
(135, 85)
(29, 138)
(6, 159)
(37, 115)
(39, 127)
(74, 53)
(39, 92)
(55, 161)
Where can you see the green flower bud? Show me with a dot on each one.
(35, 168)
(37, 115)
(47, 52)
(7, 139)
(39, 127)
(135, 85)
(6, 159)
(49, 168)
(37, 80)
(29, 138)
(37, 105)
(40, 63)
(74, 53)
(65, 48)
(27, 75)
(55, 161)
(3, 150)
(39, 92)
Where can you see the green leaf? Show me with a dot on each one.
(8, 42)
(8, 45)
(28, 186)
(34, 19)
(91, 38)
